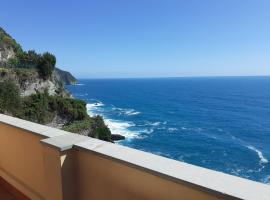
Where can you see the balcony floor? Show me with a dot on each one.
(5, 194)
(9, 192)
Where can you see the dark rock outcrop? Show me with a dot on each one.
(116, 137)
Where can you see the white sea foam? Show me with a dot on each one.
(155, 123)
(130, 112)
(260, 154)
(91, 107)
(79, 84)
(126, 111)
(121, 127)
(148, 131)
(172, 129)
(118, 126)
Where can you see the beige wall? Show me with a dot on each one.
(21, 160)
(102, 179)
(41, 172)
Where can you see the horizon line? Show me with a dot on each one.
(167, 77)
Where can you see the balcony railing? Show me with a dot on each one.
(51, 164)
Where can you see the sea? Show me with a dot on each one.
(220, 123)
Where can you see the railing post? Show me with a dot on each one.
(60, 166)
(53, 174)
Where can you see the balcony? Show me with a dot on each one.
(42, 163)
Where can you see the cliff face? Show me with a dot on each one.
(32, 88)
(6, 52)
(29, 82)
(8, 47)
(28, 79)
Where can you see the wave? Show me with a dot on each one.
(260, 154)
(121, 127)
(194, 129)
(91, 107)
(132, 112)
(172, 129)
(79, 84)
(155, 123)
(126, 111)
(116, 126)
(148, 131)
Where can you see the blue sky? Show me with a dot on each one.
(145, 38)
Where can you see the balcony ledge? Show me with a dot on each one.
(217, 183)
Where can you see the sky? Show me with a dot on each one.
(145, 38)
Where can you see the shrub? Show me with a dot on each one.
(12, 62)
(70, 109)
(79, 126)
(9, 97)
(3, 71)
(42, 108)
(36, 108)
(100, 130)
(44, 64)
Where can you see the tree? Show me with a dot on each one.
(12, 62)
(46, 65)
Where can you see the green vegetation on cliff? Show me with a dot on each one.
(43, 63)
(20, 69)
(9, 97)
(97, 127)
(9, 41)
(43, 108)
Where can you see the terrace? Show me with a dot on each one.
(42, 163)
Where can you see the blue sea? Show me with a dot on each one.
(220, 123)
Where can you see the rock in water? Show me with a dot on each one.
(116, 137)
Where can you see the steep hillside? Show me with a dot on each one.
(29, 81)
(8, 47)
(32, 88)
(25, 68)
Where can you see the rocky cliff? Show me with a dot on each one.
(65, 76)
(32, 88)
(28, 78)
(29, 81)
(8, 47)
